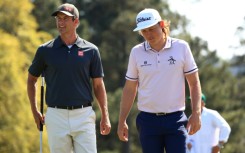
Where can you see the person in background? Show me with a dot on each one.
(157, 70)
(69, 64)
(213, 134)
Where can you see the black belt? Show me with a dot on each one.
(72, 107)
(161, 114)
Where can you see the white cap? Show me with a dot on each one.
(147, 18)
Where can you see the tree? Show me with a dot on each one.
(109, 25)
(42, 11)
(18, 42)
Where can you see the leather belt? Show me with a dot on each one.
(72, 107)
(162, 113)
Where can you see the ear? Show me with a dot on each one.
(76, 20)
(161, 24)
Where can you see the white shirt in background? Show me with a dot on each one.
(214, 129)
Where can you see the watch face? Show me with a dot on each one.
(220, 145)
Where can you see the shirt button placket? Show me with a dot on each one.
(158, 58)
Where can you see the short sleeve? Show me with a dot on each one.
(132, 72)
(190, 64)
(38, 64)
(96, 69)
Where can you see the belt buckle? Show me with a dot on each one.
(160, 114)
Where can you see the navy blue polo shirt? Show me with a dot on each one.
(68, 71)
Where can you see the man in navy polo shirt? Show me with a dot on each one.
(157, 70)
(69, 63)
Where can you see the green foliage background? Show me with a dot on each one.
(25, 24)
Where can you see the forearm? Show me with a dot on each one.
(196, 99)
(194, 122)
(100, 94)
(127, 101)
(31, 91)
(195, 93)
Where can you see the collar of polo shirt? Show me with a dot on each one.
(167, 45)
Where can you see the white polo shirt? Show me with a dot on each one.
(214, 129)
(161, 75)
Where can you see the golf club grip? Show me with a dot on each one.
(41, 100)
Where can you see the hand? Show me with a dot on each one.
(105, 126)
(39, 118)
(122, 131)
(189, 146)
(194, 123)
(215, 149)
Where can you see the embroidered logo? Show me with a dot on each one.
(171, 60)
(80, 53)
(142, 19)
(145, 64)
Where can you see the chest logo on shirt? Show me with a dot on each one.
(145, 64)
(80, 53)
(171, 60)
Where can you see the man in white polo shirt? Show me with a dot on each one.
(213, 135)
(157, 70)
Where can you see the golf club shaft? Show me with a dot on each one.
(41, 142)
(42, 99)
(41, 110)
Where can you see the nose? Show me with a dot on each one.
(61, 20)
(147, 34)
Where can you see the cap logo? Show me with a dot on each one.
(142, 19)
(68, 9)
(147, 18)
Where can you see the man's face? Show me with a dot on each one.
(153, 34)
(65, 24)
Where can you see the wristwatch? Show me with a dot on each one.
(221, 145)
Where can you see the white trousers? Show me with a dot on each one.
(71, 131)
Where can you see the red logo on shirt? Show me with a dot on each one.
(80, 53)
